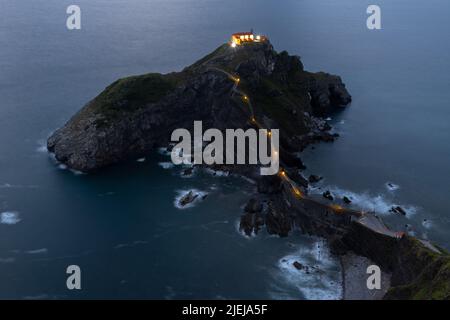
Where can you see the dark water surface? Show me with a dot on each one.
(121, 226)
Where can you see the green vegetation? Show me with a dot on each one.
(132, 93)
(433, 280)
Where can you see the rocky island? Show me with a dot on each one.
(135, 115)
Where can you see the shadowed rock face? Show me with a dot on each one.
(133, 115)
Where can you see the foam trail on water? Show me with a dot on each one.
(37, 251)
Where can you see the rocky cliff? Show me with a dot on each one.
(136, 114)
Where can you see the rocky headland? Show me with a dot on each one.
(135, 115)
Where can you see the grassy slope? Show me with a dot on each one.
(433, 282)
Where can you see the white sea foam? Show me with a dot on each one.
(166, 165)
(9, 218)
(237, 226)
(37, 251)
(392, 186)
(427, 224)
(42, 146)
(76, 172)
(321, 280)
(366, 201)
(180, 193)
(141, 160)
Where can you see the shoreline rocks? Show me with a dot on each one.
(188, 198)
(327, 195)
(398, 210)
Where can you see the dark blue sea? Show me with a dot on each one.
(121, 226)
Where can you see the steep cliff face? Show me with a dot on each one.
(135, 114)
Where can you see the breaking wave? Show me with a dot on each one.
(317, 275)
(366, 201)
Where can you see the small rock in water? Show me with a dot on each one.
(314, 178)
(399, 210)
(391, 186)
(187, 172)
(346, 200)
(298, 265)
(188, 198)
(327, 195)
(253, 205)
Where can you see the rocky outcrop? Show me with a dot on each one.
(188, 198)
(134, 115)
(253, 219)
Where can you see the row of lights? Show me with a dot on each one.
(335, 207)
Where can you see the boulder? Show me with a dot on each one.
(188, 198)
(346, 200)
(399, 210)
(298, 265)
(327, 195)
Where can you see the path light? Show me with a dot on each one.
(337, 208)
(297, 192)
(233, 44)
